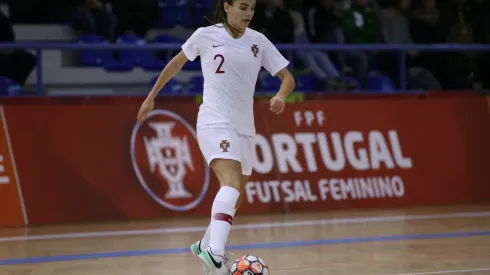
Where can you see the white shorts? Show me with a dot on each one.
(223, 141)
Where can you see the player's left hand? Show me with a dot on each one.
(277, 105)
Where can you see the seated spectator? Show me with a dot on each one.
(28, 11)
(325, 26)
(424, 23)
(324, 20)
(283, 25)
(316, 60)
(459, 22)
(396, 31)
(135, 15)
(274, 21)
(91, 17)
(452, 13)
(460, 69)
(14, 64)
(481, 26)
(85, 16)
(360, 23)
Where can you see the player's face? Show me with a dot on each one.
(241, 12)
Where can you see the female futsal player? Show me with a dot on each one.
(231, 57)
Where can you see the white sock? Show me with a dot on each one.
(205, 239)
(222, 214)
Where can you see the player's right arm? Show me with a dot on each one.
(170, 71)
(190, 50)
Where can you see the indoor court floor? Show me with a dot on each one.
(428, 240)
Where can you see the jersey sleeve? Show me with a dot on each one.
(192, 47)
(272, 60)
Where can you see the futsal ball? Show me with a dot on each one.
(249, 265)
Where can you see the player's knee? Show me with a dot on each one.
(232, 182)
(229, 173)
(231, 178)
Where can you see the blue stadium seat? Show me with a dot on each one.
(168, 18)
(143, 58)
(188, 15)
(308, 83)
(173, 87)
(206, 4)
(380, 83)
(270, 83)
(350, 79)
(164, 38)
(173, 13)
(8, 87)
(196, 85)
(94, 57)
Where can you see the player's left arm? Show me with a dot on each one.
(287, 86)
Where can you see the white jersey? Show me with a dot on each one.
(230, 68)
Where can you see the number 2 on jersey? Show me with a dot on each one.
(218, 70)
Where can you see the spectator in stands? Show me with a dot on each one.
(460, 69)
(453, 22)
(85, 16)
(28, 11)
(481, 27)
(325, 26)
(424, 23)
(481, 10)
(316, 60)
(91, 17)
(274, 21)
(360, 23)
(135, 15)
(453, 14)
(283, 25)
(324, 20)
(14, 64)
(395, 28)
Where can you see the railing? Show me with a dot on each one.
(290, 48)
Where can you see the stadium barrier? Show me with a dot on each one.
(78, 160)
(289, 48)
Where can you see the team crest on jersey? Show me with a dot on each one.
(255, 49)
(224, 145)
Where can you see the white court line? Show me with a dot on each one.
(191, 229)
(445, 271)
(14, 164)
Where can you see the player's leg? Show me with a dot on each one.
(248, 162)
(200, 245)
(221, 148)
(228, 172)
(243, 182)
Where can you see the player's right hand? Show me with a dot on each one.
(145, 109)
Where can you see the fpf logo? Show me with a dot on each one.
(167, 161)
(224, 145)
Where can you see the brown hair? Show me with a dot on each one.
(220, 16)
